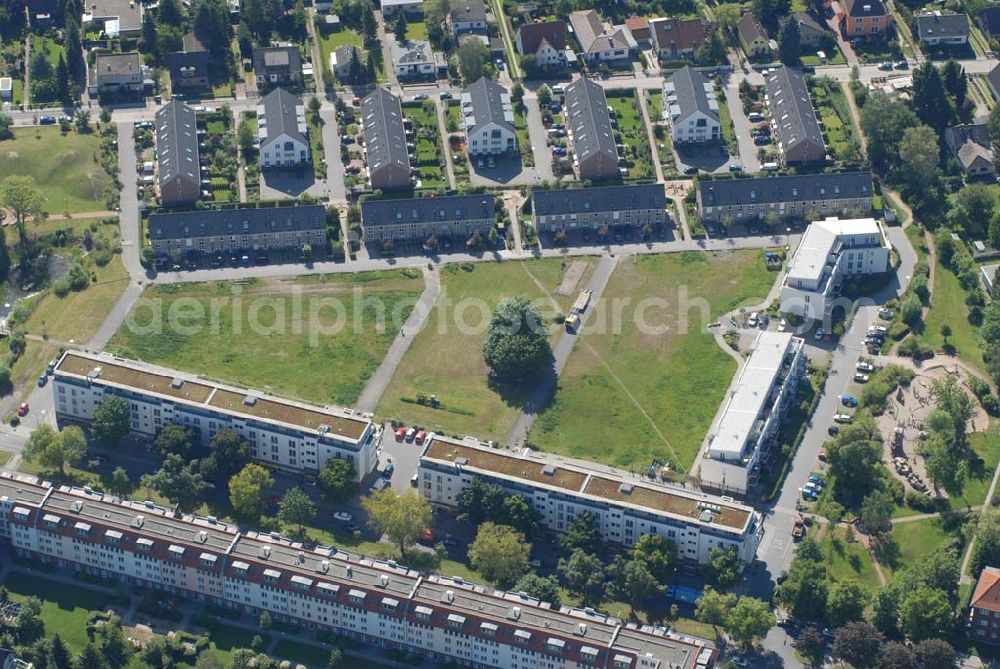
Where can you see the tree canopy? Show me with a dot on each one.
(517, 346)
(500, 554)
(401, 517)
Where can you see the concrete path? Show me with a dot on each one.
(128, 219)
(386, 39)
(536, 133)
(117, 316)
(446, 146)
(650, 135)
(414, 324)
(335, 173)
(541, 394)
(741, 125)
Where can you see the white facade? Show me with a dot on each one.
(381, 604)
(751, 415)
(284, 151)
(696, 127)
(831, 251)
(625, 507)
(283, 434)
(492, 139)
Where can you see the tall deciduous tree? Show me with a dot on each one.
(884, 119)
(750, 619)
(930, 100)
(22, 197)
(583, 576)
(336, 480)
(713, 606)
(178, 481)
(247, 490)
(402, 517)
(857, 643)
(500, 554)
(297, 509)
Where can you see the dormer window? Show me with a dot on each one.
(81, 529)
(301, 582)
(357, 597)
(271, 576)
(113, 537)
(144, 544)
(176, 552)
(455, 620)
(489, 629)
(207, 560)
(390, 604)
(424, 613)
(555, 645)
(240, 568)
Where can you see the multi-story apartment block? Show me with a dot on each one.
(289, 435)
(282, 133)
(232, 230)
(591, 131)
(984, 609)
(385, 141)
(381, 604)
(831, 251)
(593, 208)
(865, 18)
(626, 507)
(793, 119)
(489, 119)
(751, 415)
(691, 107)
(420, 218)
(848, 194)
(179, 170)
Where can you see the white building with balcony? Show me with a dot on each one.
(831, 251)
(751, 416)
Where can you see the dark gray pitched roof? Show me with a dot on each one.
(861, 8)
(118, 63)
(749, 29)
(989, 20)
(214, 222)
(533, 34)
(427, 209)
(942, 25)
(588, 119)
(994, 78)
(468, 11)
(177, 143)
(281, 116)
(957, 135)
(385, 136)
(792, 108)
(808, 23)
(686, 90)
(764, 190)
(488, 102)
(284, 59)
(602, 198)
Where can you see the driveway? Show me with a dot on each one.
(748, 150)
(282, 184)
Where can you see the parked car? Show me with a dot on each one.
(400, 433)
(833, 430)
(690, 170)
(842, 418)
(902, 65)
(818, 480)
(445, 95)
(42, 380)
(885, 65)
(849, 401)
(755, 117)
(388, 470)
(342, 516)
(735, 167)
(752, 321)
(347, 139)
(47, 120)
(861, 378)
(782, 325)
(558, 151)
(866, 367)
(421, 435)
(886, 313)
(420, 96)
(822, 454)
(23, 409)
(411, 434)
(819, 334)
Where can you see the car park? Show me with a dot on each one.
(342, 516)
(842, 418)
(861, 378)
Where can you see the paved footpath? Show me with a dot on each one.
(418, 318)
(541, 394)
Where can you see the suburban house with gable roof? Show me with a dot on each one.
(678, 38)
(546, 41)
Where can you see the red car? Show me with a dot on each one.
(421, 435)
(23, 409)
(400, 433)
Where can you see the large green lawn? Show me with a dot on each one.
(913, 541)
(846, 559)
(447, 362)
(64, 166)
(315, 338)
(948, 306)
(64, 607)
(626, 397)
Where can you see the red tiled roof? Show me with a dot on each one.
(987, 594)
(532, 34)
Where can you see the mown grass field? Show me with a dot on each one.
(448, 363)
(65, 167)
(912, 541)
(64, 607)
(314, 351)
(948, 306)
(846, 559)
(627, 397)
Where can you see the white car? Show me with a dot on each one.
(782, 325)
(752, 321)
(819, 334)
(842, 418)
(861, 378)
(878, 329)
(343, 516)
(865, 367)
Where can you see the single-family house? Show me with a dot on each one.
(678, 38)
(115, 18)
(753, 39)
(546, 41)
(988, 21)
(639, 28)
(415, 59)
(277, 65)
(811, 31)
(467, 16)
(341, 59)
(970, 144)
(489, 119)
(41, 13)
(117, 75)
(188, 67)
(282, 133)
(937, 29)
(598, 44)
(690, 105)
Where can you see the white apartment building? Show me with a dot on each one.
(282, 433)
(626, 507)
(751, 415)
(831, 251)
(381, 604)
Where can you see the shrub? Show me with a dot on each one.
(916, 349)
(919, 501)
(60, 287)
